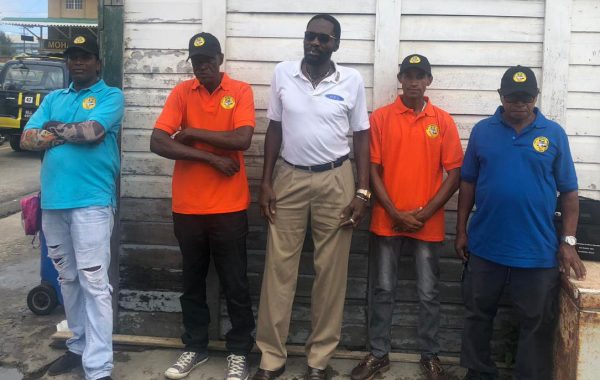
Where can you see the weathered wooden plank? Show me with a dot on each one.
(586, 14)
(284, 49)
(156, 60)
(291, 25)
(475, 53)
(468, 77)
(584, 149)
(588, 176)
(581, 122)
(150, 324)
(517, 8)
(262, 72)
(585, 49)
(555, 71)
(140, 117)
(579, 78)
(583, 100)
(460, 28)
(135, 186)
(387, 47)
(170, 36)
(154, 80)
(307, 6)
(158, 11)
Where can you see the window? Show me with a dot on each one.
(74, 4)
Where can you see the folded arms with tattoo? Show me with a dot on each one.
(55, 133)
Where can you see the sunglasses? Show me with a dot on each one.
(518, 98)
(322, 37)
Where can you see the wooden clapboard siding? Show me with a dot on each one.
(470, 43)
(582, 116)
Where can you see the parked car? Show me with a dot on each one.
(24, 82)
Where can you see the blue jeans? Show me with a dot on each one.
(78, 243)
(384, 267)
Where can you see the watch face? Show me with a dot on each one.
(570, 240)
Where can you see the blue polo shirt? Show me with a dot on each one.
(81, 175)
(516, 179)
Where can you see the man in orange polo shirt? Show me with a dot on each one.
(412, 143)
(205, 125)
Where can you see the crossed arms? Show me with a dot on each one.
(55, 133)
(180, 146)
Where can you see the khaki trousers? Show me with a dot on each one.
(320, 197)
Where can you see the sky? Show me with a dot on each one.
(22, 8)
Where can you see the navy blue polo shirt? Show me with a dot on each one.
(516, 179)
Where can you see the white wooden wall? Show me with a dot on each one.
(470, 43)
(582, 113)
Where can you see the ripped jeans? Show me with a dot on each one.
(78, 243)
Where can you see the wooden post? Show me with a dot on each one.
(387, 51)
(555, 70)
(214, 21)
(110, 38)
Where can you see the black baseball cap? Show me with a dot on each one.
(204, 44)
(417, 61)
(518, 79)
(85, 43)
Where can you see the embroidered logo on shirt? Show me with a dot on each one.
(227, 102)
(520, 77)
(334, 97)
(89, 103)
(199, 41)
(541, 144)
(414, 59)
(79, 40)
(432, 131)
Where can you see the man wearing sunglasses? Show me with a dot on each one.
(206, 124)
(516, 161)
(314, 104)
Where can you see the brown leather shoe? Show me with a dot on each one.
(432, 368)
(369, 367)
(315, 374)
(263, 374)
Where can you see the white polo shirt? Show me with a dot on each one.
(316, 121)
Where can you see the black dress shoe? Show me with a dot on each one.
(66, 363)
(263, 374)
(105, 378)
(316, 374)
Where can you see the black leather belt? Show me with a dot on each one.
(321, 167)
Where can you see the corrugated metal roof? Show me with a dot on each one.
(50, 21)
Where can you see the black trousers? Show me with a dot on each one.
(534, 296)
(222, 236)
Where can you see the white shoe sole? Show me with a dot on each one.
(176, 376)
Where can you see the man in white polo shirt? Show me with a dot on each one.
(314, 104)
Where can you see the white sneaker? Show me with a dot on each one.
(237, 368)
(185, 364)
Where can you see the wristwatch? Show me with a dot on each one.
(364, 192)
(570, 240)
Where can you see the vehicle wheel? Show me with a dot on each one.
(15, 142)
(42, 299)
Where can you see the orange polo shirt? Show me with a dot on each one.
(413, 150)
(199, 188)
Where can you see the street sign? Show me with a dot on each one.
(26, 38)
(58, 45)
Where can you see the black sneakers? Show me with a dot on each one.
(66, 363)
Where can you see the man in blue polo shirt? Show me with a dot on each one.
(77, 127)
(516, 161)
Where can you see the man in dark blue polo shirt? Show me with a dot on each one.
(515, 163)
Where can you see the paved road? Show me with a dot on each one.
(19, 175)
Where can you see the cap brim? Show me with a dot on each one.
(75, 48)
(512, 91)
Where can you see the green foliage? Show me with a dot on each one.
(6, 49)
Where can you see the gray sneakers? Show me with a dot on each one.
(237, 368)
(185, 364)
